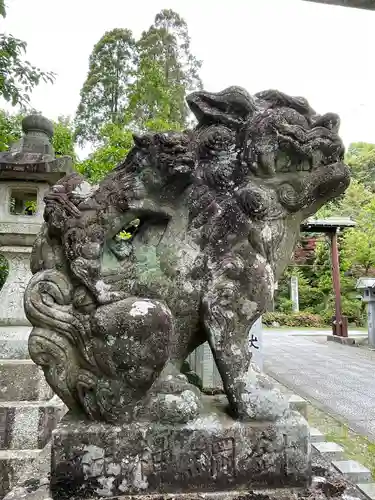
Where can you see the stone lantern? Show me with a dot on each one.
(367, 287)
(27, 171)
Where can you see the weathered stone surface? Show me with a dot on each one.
(14, 342)
(25, 176)
(327, 484)
(12, 465)
(298, 404)
(368, 489)
(28, 424)
(316, 436)
(27, 171)
(211, 453)
(214, 214)
(22, 380)
(353, 470)
(332, 451)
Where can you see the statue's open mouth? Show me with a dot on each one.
(335, 178)
(121, 244)
(145, 225)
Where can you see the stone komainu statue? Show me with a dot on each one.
(214, 215)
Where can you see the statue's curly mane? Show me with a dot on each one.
(243, 148)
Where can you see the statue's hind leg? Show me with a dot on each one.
(230, 308)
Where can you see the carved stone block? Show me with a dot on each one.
(212, 453)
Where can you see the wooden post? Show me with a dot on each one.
(340, 325)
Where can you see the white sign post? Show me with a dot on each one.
(256, 343)
(294, 293)
(202, 362)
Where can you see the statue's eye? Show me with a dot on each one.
(129, 230)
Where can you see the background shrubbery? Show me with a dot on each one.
(295, 320)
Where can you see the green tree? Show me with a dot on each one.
(350, 204)
(150, 99)
(361, 160)
(164, 52)
(359, 242)
(116, 143)
(10, 129)
(63, 137)
(150, 87)
(104, 93)
(18, 77)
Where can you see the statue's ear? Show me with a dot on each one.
(137, 140)
(142, 141)
(232, 106)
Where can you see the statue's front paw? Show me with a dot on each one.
(261, 404)
(258, 399)
(175, 408)
(172, 399)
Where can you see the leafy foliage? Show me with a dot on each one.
(10, 129)
(293, 320)
(354, 201)
(139, 86)
(63, 138)
(18, 77)
(164, 53)
(361, 160)
(104, 93)
(150, 100)
(116, 143)
(359, 242)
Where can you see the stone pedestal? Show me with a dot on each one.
(213, 453)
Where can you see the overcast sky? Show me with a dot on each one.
(325, 53)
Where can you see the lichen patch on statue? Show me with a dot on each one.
(180, 244)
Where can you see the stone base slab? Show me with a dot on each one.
(256, 494)
(343, 340)
(214, 453)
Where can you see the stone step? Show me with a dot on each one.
(367, 489)
(316, 436)
(28, 424)
(14, 342)
(12, 465)
(352, 471)
(330, 451)
(22, 380)
(299, 404)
